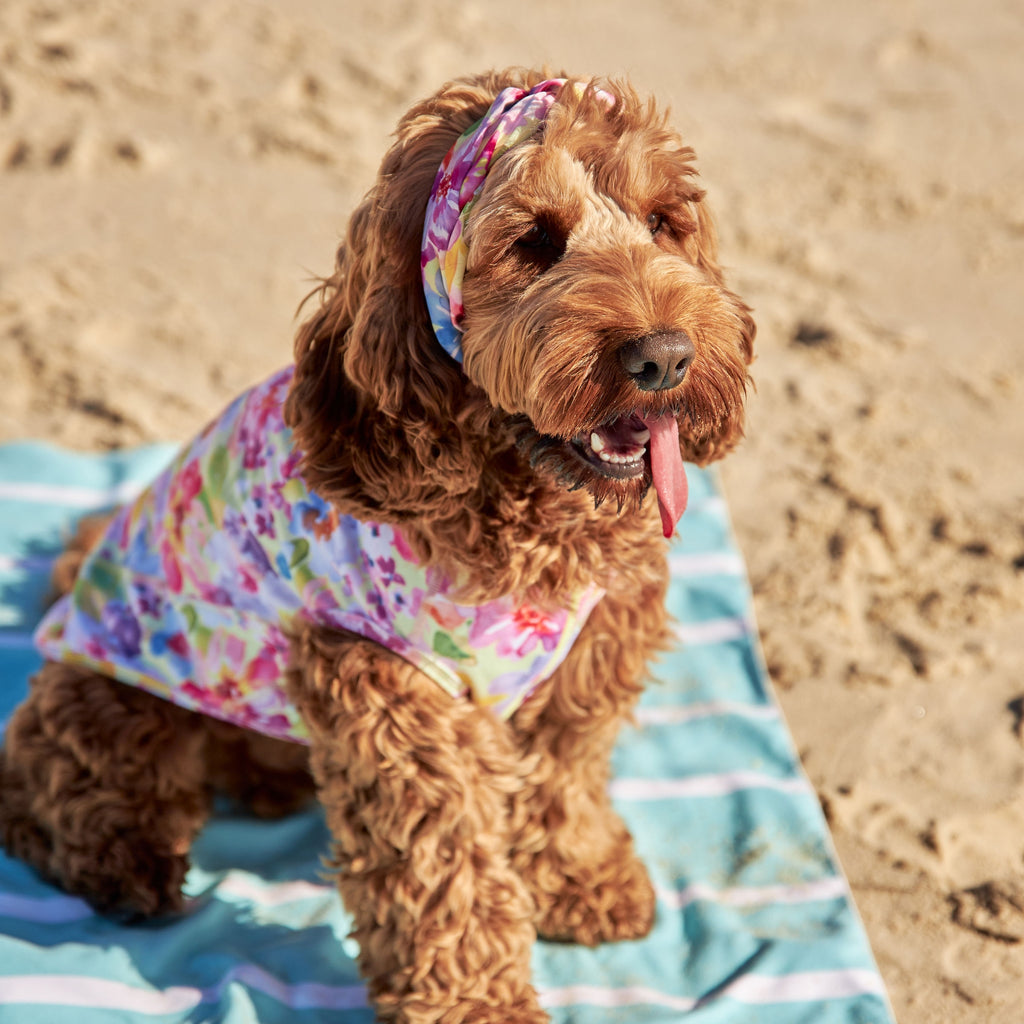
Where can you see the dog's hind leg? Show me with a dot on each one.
(102, 790)
(416, 786)
(269, 776)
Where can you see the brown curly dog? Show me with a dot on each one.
(594, 314)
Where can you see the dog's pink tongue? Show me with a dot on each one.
(667, 470)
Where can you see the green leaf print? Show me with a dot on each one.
(104, 577)
(447, 648)
(217, 470)
(201, 638)
(300, 552)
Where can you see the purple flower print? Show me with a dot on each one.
(122, 629)
(251, 439)
(275, 499)
(376, 602)
(290, 467)
(148, 600)
(253, 551)
(266, 497)
(217, 595)
(319, 600)
(388, 574)
(235, 524)
(265, 525)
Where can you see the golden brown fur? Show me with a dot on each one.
(458, 837)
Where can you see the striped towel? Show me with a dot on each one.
(754, 919)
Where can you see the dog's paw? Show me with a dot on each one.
(605, 903)
(123, 878)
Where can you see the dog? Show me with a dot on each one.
(420, 574)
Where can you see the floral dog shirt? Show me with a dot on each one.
(192, 590)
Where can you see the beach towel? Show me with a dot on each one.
(754, 918)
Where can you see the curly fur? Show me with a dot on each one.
(458, 837)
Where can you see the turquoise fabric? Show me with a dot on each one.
(754, 918)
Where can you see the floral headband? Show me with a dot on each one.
(511, 119)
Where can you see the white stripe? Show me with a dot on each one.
(95, 993)
(711, 563)
(71, 496)
(680, 714)
(714, 631)
(752, 896)
(45, 909)
(752, 989)
(15, 641)
(704, 786)
(105, 994)
(29, 563)
(272, 894)
(600, 995)
(101, 993)
(804, 986)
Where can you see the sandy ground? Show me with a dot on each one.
(172, 175)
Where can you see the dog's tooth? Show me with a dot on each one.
(632, 459)
(641, 436)
(597, 442)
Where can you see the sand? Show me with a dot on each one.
(173, 175)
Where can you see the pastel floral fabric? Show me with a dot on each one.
(511, 118)
(192, 591)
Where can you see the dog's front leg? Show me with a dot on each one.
(417, 787)
(573, 850)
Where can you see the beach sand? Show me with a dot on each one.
(174, 176)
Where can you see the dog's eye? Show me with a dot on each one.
(655, 222)
(537, 237)
(541, 246)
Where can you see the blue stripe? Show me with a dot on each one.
(750, 838)
(707, 746)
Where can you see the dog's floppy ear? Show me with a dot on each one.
(380, 411)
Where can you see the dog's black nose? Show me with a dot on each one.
(659, 361)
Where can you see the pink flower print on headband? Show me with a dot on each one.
(511, 119)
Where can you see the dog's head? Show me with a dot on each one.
(597, 332)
